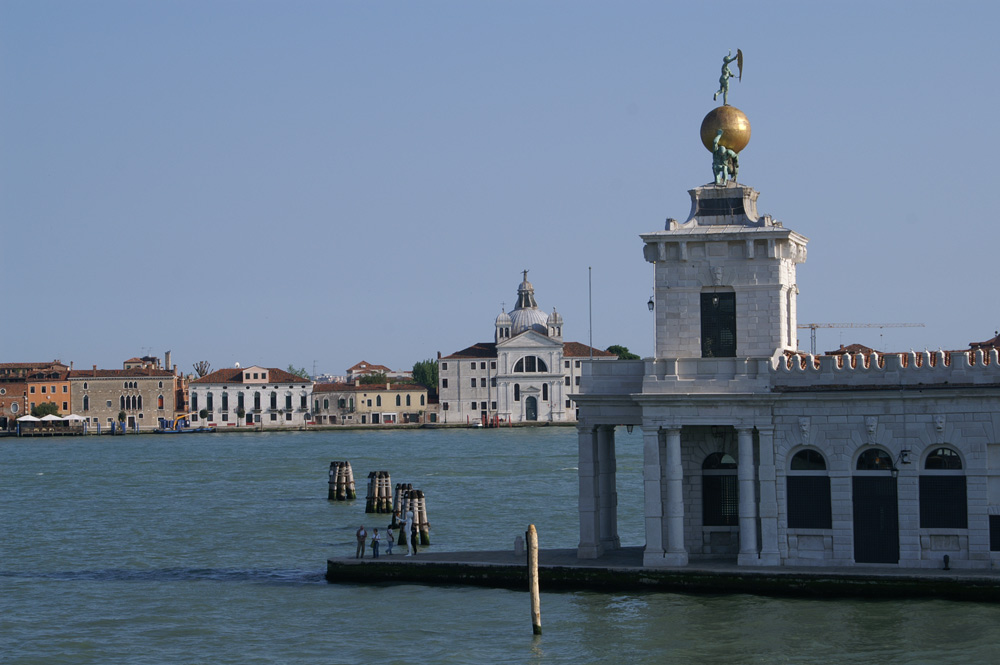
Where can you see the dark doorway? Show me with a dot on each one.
(876, 520)
(531, 408)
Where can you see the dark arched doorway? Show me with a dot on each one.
(531, 408)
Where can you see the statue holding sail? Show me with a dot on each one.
(728, 74)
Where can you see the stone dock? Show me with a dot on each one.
(622, 570)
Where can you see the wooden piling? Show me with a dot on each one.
(420, 514)
(341, 482)
(379, 497)
(536, 612)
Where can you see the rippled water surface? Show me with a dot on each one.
(211, 549)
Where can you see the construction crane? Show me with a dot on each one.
(813, 326)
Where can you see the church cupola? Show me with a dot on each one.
(503, 326)
(555, 324)
(526, 315)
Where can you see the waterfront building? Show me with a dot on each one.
(15, 398)
(144, 393)
(370, 404)
(760, 454)
(525, 374)
(250, 396)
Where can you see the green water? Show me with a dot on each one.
(212, 549)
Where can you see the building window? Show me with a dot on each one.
(421, 400)
(493, 364)
(517, 392)
(66, 388)
(566, 364)
(576, 380)
(65, 406)
(444, 367)
(482, 365)
(43, 390)
(288, 416)
(482, 406)
(274, 416)
(326, 404)
(808, 484)
(994, 533)
(943, 502)
(874, 459)
(473, 382)
(472, 365)
(407, 400)
(444, 406)
(378, 400)
(32, 390)
(720, 503)
(369, 403)
(256, 401)
(342, 403)
(399, 398)
(225, 401)
(86, 402)
(567, 404)
(225, 417)
(274, 400)
(545, 392)
(482, 382)
(444, 383)
(718, 325)
(159, 402)
(567, 380)
(288, 402)
(472, 406)
(576, 363)
(530, 364)
(209, 403)
(109, 405)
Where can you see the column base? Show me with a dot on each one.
(589, 551)
(770, 559)
(757, 560)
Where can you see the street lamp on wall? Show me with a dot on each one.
(651, 305)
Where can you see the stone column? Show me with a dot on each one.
(769, 555)
(676, 554)
(590, 516)
(748, 499)
(652, 482)
(607, 488)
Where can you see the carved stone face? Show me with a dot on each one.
(871, 422)
(939, 423)
(804, 426)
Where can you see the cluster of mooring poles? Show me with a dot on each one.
(382, 498)
(379, 499)
(409, 499)
(341, 482)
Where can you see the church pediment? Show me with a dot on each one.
(529, 339)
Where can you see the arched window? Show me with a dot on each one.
(122, 402)
(808, 485)
(720, 499)
(407, 399)
(421, 400)
(225, 401)
(240, 404)
(159, 402)
(210, 401)
(530, 364)
(545, 392)
(342, 403)
(256, 400)
(194, 401)
(874, 459)
(517, 392)
(326, 404)
(86, 402)
(274, 400)
(378, 400)
(399, 400)
(943, 501)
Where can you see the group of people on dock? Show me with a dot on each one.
(407, 528)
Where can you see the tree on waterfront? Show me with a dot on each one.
(372, 379)
(425, 372)
(299, 372)
(622, 352)
(45, 409)
(202, 367)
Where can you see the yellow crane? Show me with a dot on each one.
(813, 326)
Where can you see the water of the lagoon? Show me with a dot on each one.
(211, 549)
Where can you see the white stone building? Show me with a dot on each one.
(251, 397)
(760, 454)
(525, 374)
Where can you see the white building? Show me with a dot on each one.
(525, 374)
(251, 396)
(758, 453)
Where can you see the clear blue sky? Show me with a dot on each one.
(321, 182)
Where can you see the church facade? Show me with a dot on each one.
(526, 374)
(758, 453)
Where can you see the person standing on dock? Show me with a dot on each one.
(362, 535)
(376, 539)
(389, 541)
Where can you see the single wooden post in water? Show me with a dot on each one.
(536, 612)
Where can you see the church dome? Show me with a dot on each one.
(555, 319)
(504, 319)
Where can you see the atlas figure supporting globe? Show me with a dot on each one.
(725, 162)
